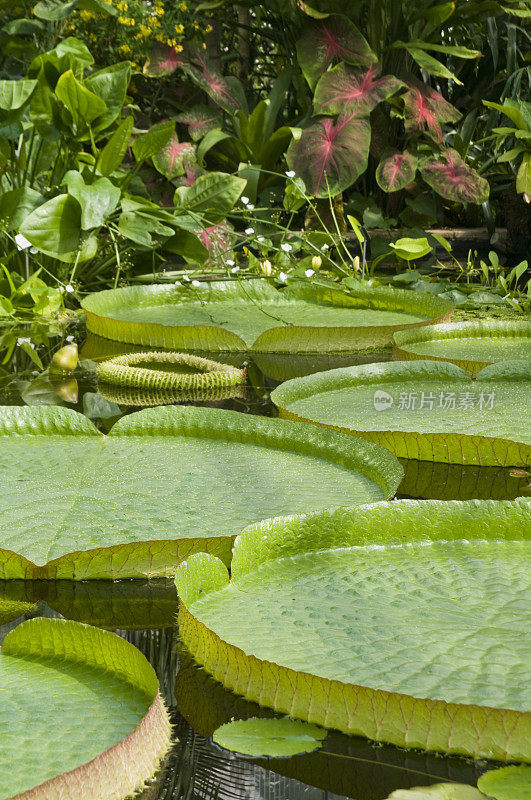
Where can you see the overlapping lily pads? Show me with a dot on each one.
(253, 315)
(321, 621)
(81, 714)
(426, 410)
(164, 483)
(470, 345)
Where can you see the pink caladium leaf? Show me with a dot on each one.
(328, 41)
(454, 180)
(192, 171)
(213, 83)
(200, 120)
(345, 88)
(218, 240)
(396, 171)
(170, 160)
(162, 61)
(329, 155)
(426, 110)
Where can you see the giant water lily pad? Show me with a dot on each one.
(426, 410)
(81, 715)
(381, 621)
(164, 483)
(253, 315)
(471, 345)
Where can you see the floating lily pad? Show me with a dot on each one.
(508, 783)
(426, 410)
(145, 398)
(163, 371)
(439, 791)
(81, 715)
(269, 738)
(470, 345)
(164, 483)
(377, 621)
(253, 315)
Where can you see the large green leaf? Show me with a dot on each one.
(470, 345)
(110, 85)
(85, 704)
(215, 193)
(239, 315)
(508, 783)
(54, 227)
(428, 410)
(163, 484)
(83, 104)
(442, 481)
(97, 200)
(114, 151)
(15, 94)
(321, 621)
(439, 791)
(269, 737)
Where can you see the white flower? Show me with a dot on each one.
(230, 262)
(69, 339)
(248, 231)
(309, 273)
(290, 173)
(22, 242)
(177, 283)
(23, 340)
(196, 283)
(259, 238)
(286, 247)
(250, 207)
(234, 270)
(69, 288)
(186, 279)
(245, 200)
(325, 247)
(282, 276)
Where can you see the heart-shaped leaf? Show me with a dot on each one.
(344, 89)
(325, 42)
(97, 200)
(162, 61)
(15, 94)
(150, 143)
(200, 120)
(54, 227)
(83, 104)
(453, 179)
(171, 159)
(214, 84)
(330, 155)
(396, 171)
(426, 110)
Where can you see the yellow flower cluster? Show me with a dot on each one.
(127, 21)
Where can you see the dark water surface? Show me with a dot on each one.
(144, 613)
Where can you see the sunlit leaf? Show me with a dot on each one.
(507, 783)
(344, 89)
(170, 161)
(162, 61)
(270, 738)
(396, 171)
(453, 179)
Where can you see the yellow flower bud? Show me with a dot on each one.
(316, 262)
(65, 359)
(266, 267)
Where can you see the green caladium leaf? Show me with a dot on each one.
(273, 738)
(171, 159)
(105, 701)
(93, 525)
(150, 143)
(114, 151)
(325, 42)
(428, 410)
(321, 616)
(235, 316)
(453, 179)
(470, 345)
(83, 104)
(396, 170)
(54, 227)
(507, 783)
(97, 200)
(15, 94)
(344, 89)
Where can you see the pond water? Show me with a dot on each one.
(144, 613)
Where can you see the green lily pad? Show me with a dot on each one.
(470, 345)
(426, 410)
(508, 783)
(439, 791)
(269, 738)
(162, 371)
(253, 315)
(81, 714)
(164, 483)
(321, 620)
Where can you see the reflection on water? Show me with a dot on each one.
(144, 612)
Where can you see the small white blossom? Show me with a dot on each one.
(69, 288)
(177, 283)
(250, 207)
(282, 276)
(69, 339)
(259, 238)
(245, 200)
(25, 340)
(290, 173)
(186, 279)
(309, 272)
(230, 262)
(286, 247)
(325, 247)
(196, 283)
(234, 270)
(22, 242)
(248, 231)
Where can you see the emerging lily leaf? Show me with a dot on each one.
(171, 159)
(200, 120)
(236, 316)
(329, 155)
(270, 738)
(325, 42)
(426, 110)
(164, 483)
(345, 89)
(453, 179)
(428, 410)
(396, 171)
(321, 617)
(162, 61)
(88, 706)
(507, 783)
